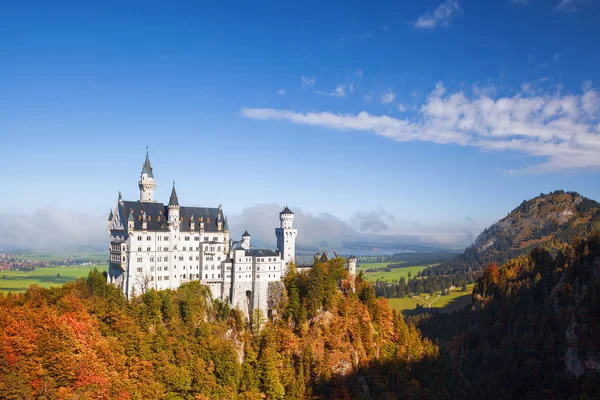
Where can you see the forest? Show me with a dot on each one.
(84, 340)
(531, 331)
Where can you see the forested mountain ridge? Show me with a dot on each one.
(84, 340)
(549, 221)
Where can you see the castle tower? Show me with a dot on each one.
(173, 208)
(352, 265)
(246, 240)
(286, 237)
(147, 183)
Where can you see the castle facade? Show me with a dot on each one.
(153, 245)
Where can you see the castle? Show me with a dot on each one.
(159, 246)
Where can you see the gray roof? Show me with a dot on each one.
(110, 216)
(155, 210)
(173, 201)
(147, 168)
(225, 225)
(286, 210)
(262, 253)
(246, 234)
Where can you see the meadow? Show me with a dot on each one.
(456, 300)
(19, 281)
(96, 256)
(393, 275)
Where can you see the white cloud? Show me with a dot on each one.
(387, 97)
(52, 228)
(563, 129)
(567, 5)
(308, 81)
(339, 91)
(401, 107)
(368, 97)
(281, 92)
(326, 231)
(358, 73)
(442, 15)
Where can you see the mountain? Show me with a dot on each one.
(549, 221)
(533, 328)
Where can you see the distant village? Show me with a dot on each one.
(14, 261)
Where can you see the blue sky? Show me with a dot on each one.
(427, 112)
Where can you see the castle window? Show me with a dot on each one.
(167, 278)
(148, 238)
(160, 278)
(159, 238)
(139, 259)
(191, 257)
(166, 249)
(219, 276)
(197, 276)
(187, 238)
(139, 248)
(151, 259)
(206, 276)
(181, 258)
(197, 238)
(184, 248)
(148, 248)
(215, 238)
(140, 269)
(166, 238)
(212, 276)
(183, 276)
(219, 248)
(151, 278)
(197, 258)
(166, 268)
(159, 258)
(206, 238)
(139, 237)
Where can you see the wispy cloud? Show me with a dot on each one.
(401, 108)
(446, 12)
(358, 73)
(281, 92)
(561, 128)
(339, 91)
(387, 97)
(568, 5)
(308, 81)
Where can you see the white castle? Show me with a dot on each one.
(161, 247)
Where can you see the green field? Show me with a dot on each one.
(393, 275)
(455, 301)
(18, 281)
(41, 256)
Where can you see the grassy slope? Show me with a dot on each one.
(18, 281)
(456, 300)
(394, 274)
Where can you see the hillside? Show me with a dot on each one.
(84, 340)
(533, 329)
(549, 221)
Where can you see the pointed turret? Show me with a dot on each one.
(173, 209)
(131, 217)
(173, 201)
(147, 183)
(226, 225)
(147, 168)
(110, 216)
(130, 221)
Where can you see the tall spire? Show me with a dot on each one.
(147, 168)
(173, 201)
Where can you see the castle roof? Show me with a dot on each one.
(261, 253)
(246, 234)
(110, 216)
(286, 210)
(147, 168)
(173, 201)
(157, 214)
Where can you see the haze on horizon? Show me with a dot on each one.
(390, 123)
